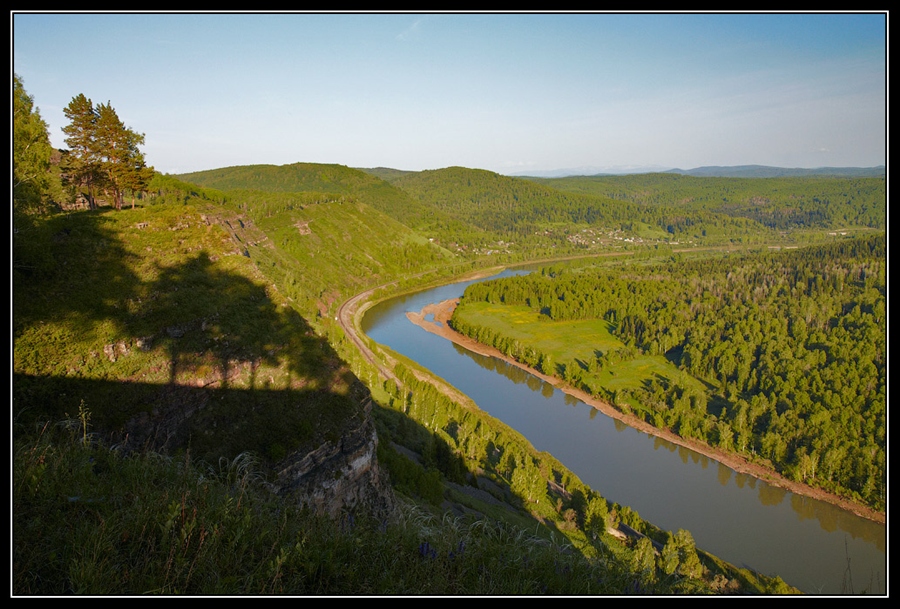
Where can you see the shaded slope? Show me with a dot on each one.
(156, 321)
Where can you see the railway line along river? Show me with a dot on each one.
(815, 546)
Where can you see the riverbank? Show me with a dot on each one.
(441, 313)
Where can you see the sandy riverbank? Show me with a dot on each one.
(444, 310)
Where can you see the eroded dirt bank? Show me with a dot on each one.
(442, 312)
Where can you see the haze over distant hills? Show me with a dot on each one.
(591, 171)
(763, 171)
(736, 171)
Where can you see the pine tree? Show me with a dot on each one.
(104, 152)
(118, 145)
(82, 164)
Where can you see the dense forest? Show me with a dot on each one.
(521, 208)
(777, 203)
(791, 346)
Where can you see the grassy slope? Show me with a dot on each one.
(331, 251)
(319, 178)
(89, 521)
(158, 309)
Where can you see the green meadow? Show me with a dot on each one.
(571, 343)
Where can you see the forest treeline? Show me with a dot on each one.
(777, 203)
(791, 345)
(520, 209)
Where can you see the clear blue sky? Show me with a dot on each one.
(510, 93)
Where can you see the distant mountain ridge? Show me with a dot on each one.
(763, 171)
(715, 171)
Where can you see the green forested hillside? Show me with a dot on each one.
(474, 211)
(385, 173)
(319, 178)
(791, 345)
(509, 205)
(776, 203)
(674, 208)
(765, 171)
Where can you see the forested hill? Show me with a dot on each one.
(480, 208)
(778, 202)
(321, 178)
(386, 173)
(516, 206)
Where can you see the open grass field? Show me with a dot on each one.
(572, 342)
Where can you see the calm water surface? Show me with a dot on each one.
(736, 517)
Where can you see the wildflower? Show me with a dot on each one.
(426, 551)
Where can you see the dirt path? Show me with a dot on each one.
(350, 312)
(347, 314)
(442, 312)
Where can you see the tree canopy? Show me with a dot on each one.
(104, 153)
(31, 151)
(791, 347)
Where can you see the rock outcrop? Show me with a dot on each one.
(335, 475)
(339, 475)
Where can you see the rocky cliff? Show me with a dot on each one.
(339, 475)
(330, 475)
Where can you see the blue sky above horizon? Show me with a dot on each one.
(511, 93)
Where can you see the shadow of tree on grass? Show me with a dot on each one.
(191, 353)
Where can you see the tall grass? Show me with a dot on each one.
(89, 520)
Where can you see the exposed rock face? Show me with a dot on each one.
(339, 475)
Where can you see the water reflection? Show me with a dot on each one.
(723, 474)
(771, 495)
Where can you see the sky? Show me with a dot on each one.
(510, 93)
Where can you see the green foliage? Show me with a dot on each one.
(31, 184)
(780, 203)
(775, 355)
(88, 520)
(121, 158)
(595, 517)
(103, 152)
(31, 153)
(679, 556)
(643, 561)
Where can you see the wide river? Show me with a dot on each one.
(741, 519)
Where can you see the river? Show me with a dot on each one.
(741, 519)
